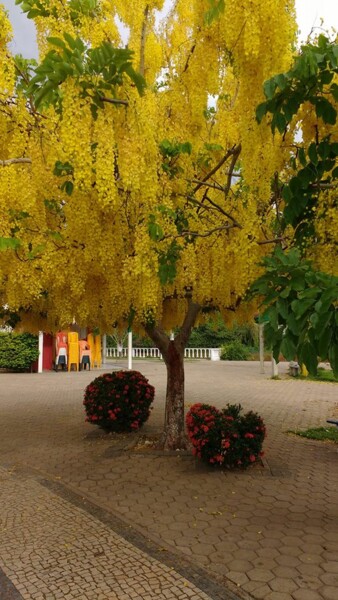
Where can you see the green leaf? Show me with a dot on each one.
(333, 358)
(155, 231)
(279, 121)
(334, 148)
(9, 243)
(326, 111)
(308, 357)
(281, 80)
(324, 149)
(43, 92)
(323, 322)
(272, 316)
(300, 307)
(269, 88)
(324, 343)
(302, 157)
(261, 111)
(68, 187)
(312, 153)
(282, 307)
(72, 42)
(288, 348)
(293, 325)
(286, 292)
(56, 42)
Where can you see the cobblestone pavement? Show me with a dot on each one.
(270, 532)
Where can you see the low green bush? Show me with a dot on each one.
(234, 351)
(18, 351)
(119, 401)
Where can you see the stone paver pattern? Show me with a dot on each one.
(52, 550)
(269, 532)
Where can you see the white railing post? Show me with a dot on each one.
(40, 359)
(130, 350)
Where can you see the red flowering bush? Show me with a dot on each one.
(225, 437)
(119, 401)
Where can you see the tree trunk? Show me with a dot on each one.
(174, 430)
(173, 436)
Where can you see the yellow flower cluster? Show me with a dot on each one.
(6, 62)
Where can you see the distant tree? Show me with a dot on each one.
(301, 295)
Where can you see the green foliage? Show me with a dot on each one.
(167, 260)
(36, 8)
(307, 81)
(170, 152)
(18, 351)
(322, 375)
(214, 334)
(319, 433)
(300, 310)
(119, 401)
(98, 72)
(24, 70)
(225, 438)
(234, 351)
(215, 10)
(311, 80)
(168, 257)
(61, 170)
(9, 243)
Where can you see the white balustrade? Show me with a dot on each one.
(155, 353)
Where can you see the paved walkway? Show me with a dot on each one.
(84, 515)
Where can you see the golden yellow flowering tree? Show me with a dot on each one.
(135, 181)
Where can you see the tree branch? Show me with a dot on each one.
(159, 337)
(202, 235)
(188, 323)
(226, 214)
(143, 40)
(236, 154)
(15, 161)
(233, 152)
(114, 101)
(192, 50)
(274, 241)
(214, 186)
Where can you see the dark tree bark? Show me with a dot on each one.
(173, 436)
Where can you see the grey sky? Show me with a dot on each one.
(24, 31)
(308, 13)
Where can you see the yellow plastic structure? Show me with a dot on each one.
(97, 355)
(73, 350)
(90, 342)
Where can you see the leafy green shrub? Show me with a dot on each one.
(234, 351)
(119, 401)
(215, 333)
(18, 351)
(225, 438)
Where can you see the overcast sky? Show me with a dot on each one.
(309, 13)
